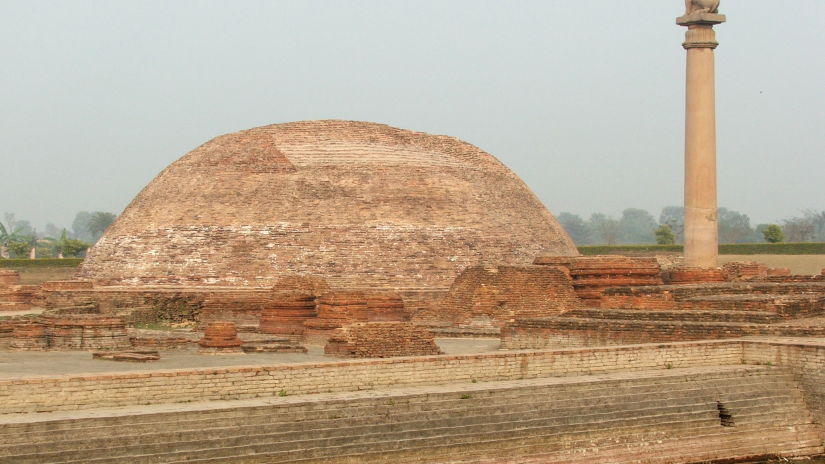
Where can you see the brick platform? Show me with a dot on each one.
(335, 309)
(85, 332)
(57, 285)
(220, 337)
(591, 275)
(487, 296)
(381, 340)
(9, 277)
(29, 336)
(286, 313)
(696, 275)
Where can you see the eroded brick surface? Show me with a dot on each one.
(220, 337)
(489, 296)
(286, 313)
(360, 204)
(381, 340)
(9, 277)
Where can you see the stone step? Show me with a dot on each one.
(425, 449)
(167, 433)
(271, 442)
(469, 415)
(393, 405)
(614, 407)
(277, 452)
(755, 317)
(732, 445)
(394, 422)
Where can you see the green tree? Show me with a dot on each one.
(80, 226)
(773, 233)
(674, 217)
(799, 229)
(70, 247)
(636, 226)
(734, 227)
(19, 248)
(604, 229)
(664, 235)
(98, 223)
(575, 227)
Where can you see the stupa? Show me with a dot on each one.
(359, 204)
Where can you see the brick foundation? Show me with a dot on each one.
(85, 332)
(286, 313)
(487, 297)
(9, 277)
(335, 309)
(220, 337)
(381, 340)
(696, 275)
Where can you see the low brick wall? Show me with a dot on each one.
(381, 340)
(804, 358)
(68, 392)
(570, 332)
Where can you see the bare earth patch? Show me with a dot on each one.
(798, 264)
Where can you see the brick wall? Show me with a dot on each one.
(805, 358)
(487, 296)
(66, 392)
(9, 277)
(574, 332)
(381, 340)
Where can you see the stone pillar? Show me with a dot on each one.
(701, 230)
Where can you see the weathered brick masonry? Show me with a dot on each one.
(489, 296)
(591, 275)
(381, 340)
(66, 392)
(360, 204)
(9, 277)
(806, 358)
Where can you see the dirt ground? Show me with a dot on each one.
(38, 275)
(798, 264)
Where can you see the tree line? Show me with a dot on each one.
(19, 239)
(637, 226)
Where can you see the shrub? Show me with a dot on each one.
(664, 235)
(773, 234)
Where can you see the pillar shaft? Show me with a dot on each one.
(701, 229)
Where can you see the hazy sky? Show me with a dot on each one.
(583, 99)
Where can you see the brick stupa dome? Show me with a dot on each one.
(360, 204)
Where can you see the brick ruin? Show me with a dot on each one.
(9, 278)
(335, 310)
(287, 313)
(220, 338)
(13, 295)
(490, 296)
(67, 330)
(741, 299)
(360, 204)
(380, 340)
(591, 275)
